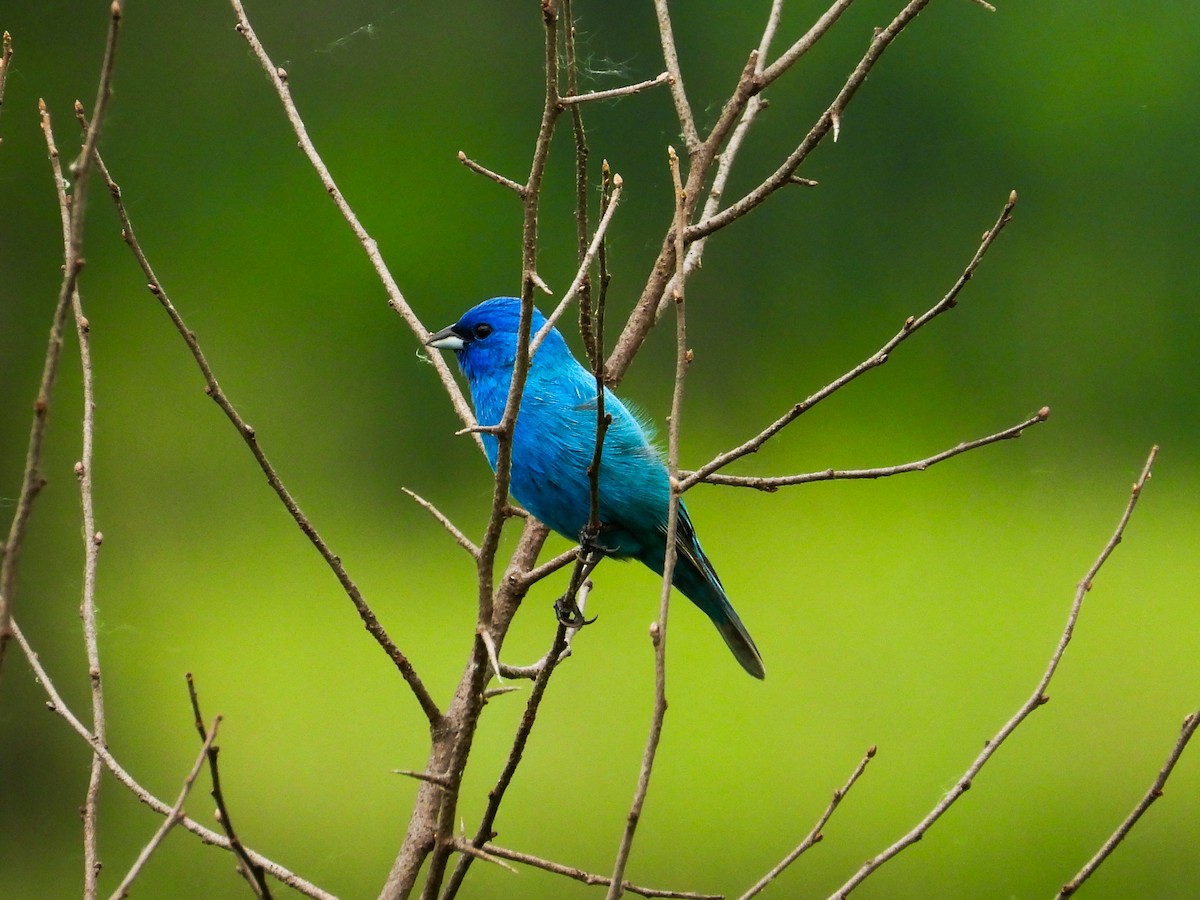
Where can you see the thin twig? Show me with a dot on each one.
(559, 650)
(574, 99)
(582, 153)
(92, 538)
(658, 630)
(817, 832)
(1190, 723)
(729, 153)
(549, 567)
(519, 189)
(396, 300)
(251, 871)
(489, 644)
(830, 120)
(533, 670)
(683, 110)
(6, 53)
(172, 818)
(772, 483)
(590, 878)
(32, 480)
(1036, 699)
(213, 389)
(806, 42)
(911, 325)
(661, 285)
(468, 849)
(56, 705)
(459, 538)
(581, 271)
(702, 157)
(439, 780)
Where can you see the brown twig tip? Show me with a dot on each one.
(282, 73)
(1043, 414)
(439, 780)
(116, 9)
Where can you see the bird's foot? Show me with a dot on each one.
(569, 614)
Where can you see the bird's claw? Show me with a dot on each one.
(569, 615)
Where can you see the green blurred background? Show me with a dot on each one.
(914, 613)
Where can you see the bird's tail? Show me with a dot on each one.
(695, 577)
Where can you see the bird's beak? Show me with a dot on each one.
(446, 339)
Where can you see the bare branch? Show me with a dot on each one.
(658, 629)
(588, 877)
(660, 284)
(729, 154)
(683, 110)
(396, 300)
(829, 119)
(91, 537)
(32, 480)
(6, 53)
(541, 672)
(92, 540)
(519, 189)
(489, 644)
(817, 833)
(1036, 699)
(1190, 723)
(252, 872)
(213, 389)
(804, 44)
(770, 484)
(701, 158)
(439, 780)
(459, 538)
(532, 671)
(468, 849)
(911, 325)
(572, 99)
(585, 265)
(207, 835)
(173, 817)
(550, 566)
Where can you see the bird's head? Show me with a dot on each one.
(486, 336)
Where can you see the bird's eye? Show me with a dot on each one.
(482, 331)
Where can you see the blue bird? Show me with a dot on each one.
(553, 445)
